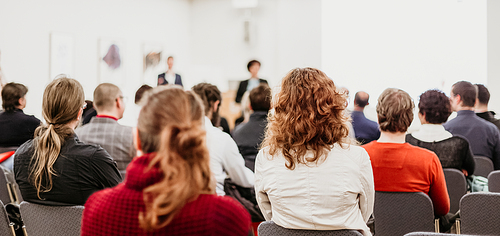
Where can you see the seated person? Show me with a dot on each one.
(453, 151)
(399, 166)
(225, 159)
(308, 176)
(104, 129)
(248, 136)
(16, 127)
(169, 188)
(55, 168)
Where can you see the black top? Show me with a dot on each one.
(16, 128)
(81, 169)
(243, 88)
(453, 152)
(490, 116)
(248, 136)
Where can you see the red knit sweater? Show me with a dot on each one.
(401, 167)
(115, 211)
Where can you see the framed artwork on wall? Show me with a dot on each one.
(62, 54)
(111, 62)
(154, 63)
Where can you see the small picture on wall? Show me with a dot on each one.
(111, 62)
(62, 53)
(154, 62)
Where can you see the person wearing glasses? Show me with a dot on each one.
(104, 129)
(55, 168)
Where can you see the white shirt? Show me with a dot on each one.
(336, 194)
(431, 133)
(225, 157)
(170, 77)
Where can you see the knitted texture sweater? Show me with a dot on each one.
(115, 211)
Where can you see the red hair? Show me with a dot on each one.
(308, 115)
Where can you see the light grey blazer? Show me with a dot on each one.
(116, 139)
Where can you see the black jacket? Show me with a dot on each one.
(16, 128)
(243, 88)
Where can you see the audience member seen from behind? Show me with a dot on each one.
(55, 168)
(169, 188)
(481, 107)
(104, 129)
(365, 130)
(308, 176)
(224, 153)
(399, 166)
(483, 136)
(253, 67)
(15, 126)
(249, 135)
(453, 151)
(131, 114)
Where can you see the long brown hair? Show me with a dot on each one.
(308, 115)
(182, 156)
(62, 100)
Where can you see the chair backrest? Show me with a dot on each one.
(494, 181)
(479, 213)
(5, 193)
(484, 166)
(269, 228)
(5, 227)
(457, 187)
(398, 213)
(432, 234)
(51, 220)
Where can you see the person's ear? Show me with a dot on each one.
(216, 105)
(137, 141)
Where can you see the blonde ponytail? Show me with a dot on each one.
(62, 101)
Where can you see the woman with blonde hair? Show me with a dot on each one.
(307, 176)
(169, 188)
(55, 168)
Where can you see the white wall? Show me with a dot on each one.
(413, 45)
(494, 54)
(286, 34)
(25, 26)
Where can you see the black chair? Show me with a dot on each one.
(51, 220)
(479, 214)
(457, 187)
(431, 234)
(494, 181)
(269, 228)
(484, 166)
(399, 213)
(6, 228)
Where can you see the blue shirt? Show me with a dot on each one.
(483, 136)
(365, 130)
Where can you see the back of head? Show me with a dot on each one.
(105, 96)
(174, 118)
(435, 106)
(209, 94)
(140, 92)
(483, 95)
(361, 99)
(308, 115)
(11, 93)
(395, 110)
(62, 101)
(467, 92)
(260, 98)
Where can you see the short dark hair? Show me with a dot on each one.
(435, 105)
(467, 92)
(361, 101)
(483, 95)
(260, 98)
(250, 63)
(208, 93)
(394, 110)
(140, 92)
(11, 93)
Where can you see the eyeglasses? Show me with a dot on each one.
(84, 106)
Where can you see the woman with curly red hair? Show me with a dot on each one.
(169, 188)
(307, 176)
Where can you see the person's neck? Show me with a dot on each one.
(390, 137)
(113, 114)
(481, 108)
(357, 108)
(462, 108)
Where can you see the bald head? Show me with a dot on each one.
(361, 99)
(106, 96)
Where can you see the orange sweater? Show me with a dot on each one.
(401, 167)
